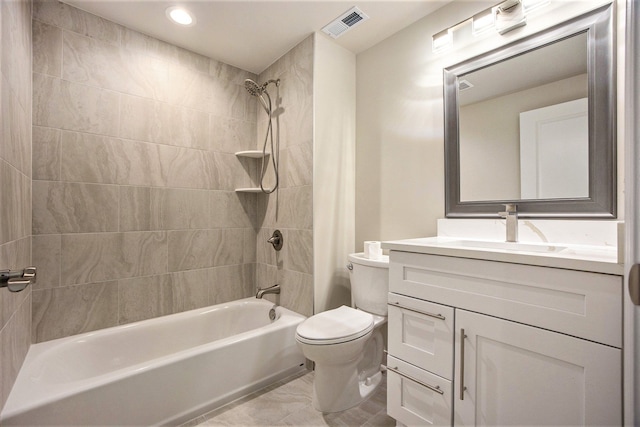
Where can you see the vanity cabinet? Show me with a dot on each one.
(476, 342)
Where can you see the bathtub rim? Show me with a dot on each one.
(48, 393)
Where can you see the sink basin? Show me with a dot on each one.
(508, 246)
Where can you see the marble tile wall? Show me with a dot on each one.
(134, 210)
(291, 208)
(15, 184)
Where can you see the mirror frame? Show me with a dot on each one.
(601, 203)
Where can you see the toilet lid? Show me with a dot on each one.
(335, 326)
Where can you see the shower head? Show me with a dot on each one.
(253, 88)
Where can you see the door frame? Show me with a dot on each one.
(631, 367)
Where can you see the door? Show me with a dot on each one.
(514, 374)
(554, 151)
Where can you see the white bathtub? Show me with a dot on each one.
(156, 372)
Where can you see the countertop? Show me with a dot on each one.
(597, 259)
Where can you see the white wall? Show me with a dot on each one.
(400, 134)
(333, 172)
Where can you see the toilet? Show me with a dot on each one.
(346, 343)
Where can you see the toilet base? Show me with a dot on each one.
(338, 387)
(335, 389)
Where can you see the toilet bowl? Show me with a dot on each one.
(346, 343)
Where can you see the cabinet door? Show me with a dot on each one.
(513, 374)
(421, 333)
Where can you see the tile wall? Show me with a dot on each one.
(134, 210)
(291, 208)
(15, 184)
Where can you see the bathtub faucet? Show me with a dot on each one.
(275, 289)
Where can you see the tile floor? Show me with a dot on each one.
(288, 403)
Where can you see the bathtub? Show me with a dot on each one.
(160, 371)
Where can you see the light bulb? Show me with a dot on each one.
(180, 16)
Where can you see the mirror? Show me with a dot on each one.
(533, 123)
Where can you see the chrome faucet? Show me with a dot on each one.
(275, 289)
(511, 215)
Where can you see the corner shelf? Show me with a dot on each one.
(250, 190)
(254, 154)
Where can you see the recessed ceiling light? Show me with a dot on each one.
(180, 16)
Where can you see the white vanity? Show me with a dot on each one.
(488, 333)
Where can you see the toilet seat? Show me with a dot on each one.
(335, 326)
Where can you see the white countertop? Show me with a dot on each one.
(597, 259)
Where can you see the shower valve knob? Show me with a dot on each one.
(277, 240)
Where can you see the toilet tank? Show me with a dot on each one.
(369, 283)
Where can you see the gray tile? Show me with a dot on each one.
(148, 120)
(100, 64)
(190, 289)
(179, 209)
(47, 253)
(297, 165)
(296, 207)
(60, 207)
(46, 153)
(62, 15)
(192, 249)
(13, 256)
(185, 167)
(231, 209)
(47, 49)
(230, 283)
(71, 310)
(13, 207)
(228, 72)
(66, 105)
(15, 39)
(96, 257)
(231, 135)
(227, 172)
(135, 208)
(15, 339)
(297, 292)
(192, 89)
(143, 298)
(139, 163)
(299, 248)
(230, 249)
(146, 45)
(15, 130)
(88, 158)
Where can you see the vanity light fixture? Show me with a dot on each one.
(503, 17)
(530, 5)
(509, 15)
(483, 21)
(180, 15)
(442, 40)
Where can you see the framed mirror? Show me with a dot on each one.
(533, 123)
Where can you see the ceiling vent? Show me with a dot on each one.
(348, 20)
(464, 85)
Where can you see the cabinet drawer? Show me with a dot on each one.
(582, 304)
(417, 397)
(421, 333)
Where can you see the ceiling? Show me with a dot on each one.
(253, 34)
